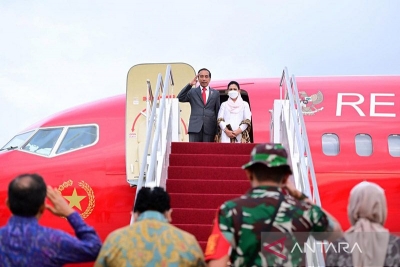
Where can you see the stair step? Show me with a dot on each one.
(206, 148)
(201, 177)
(201, 172)
(201, 231)
(199, 201)
(208, 160)
(207, 186)
(193, 216)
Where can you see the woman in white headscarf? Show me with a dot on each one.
(369, 243)
(234, 117)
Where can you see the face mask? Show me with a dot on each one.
(233, 94)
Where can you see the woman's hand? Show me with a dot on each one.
(230, 134)
(237, 132)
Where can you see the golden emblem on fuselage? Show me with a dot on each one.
(75, 198)
(309, 103)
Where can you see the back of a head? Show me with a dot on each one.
(156, 199)
(367, 200)
(268, 161)
(26, 194)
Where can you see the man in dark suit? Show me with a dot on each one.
(204, 102)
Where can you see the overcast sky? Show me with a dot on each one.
(58, 54)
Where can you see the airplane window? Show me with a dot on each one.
(17, 141)
(43, 141)
(363, 145)
(78, 137)
(330, 144)
(394, 145)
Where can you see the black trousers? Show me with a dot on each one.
(201, 136)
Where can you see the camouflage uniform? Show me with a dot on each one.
(244, 224)
(242, 221)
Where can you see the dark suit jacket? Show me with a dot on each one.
(201, 115)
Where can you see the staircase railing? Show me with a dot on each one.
(290, 130)
(298, 139)
(164, 113)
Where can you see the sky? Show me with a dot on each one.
(56, 55)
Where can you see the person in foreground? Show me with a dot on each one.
(151, 240)
(370, 244)
(234, 118)
(272, 208)
(23, 242)
(204, 103)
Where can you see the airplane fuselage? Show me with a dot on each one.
(352, 125)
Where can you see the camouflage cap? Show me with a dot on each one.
(269, 154)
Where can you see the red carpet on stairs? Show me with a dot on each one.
(201, 176)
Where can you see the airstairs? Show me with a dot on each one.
(162, 121)
(288, 128)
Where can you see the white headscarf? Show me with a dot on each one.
(237, 106)
(367, 213)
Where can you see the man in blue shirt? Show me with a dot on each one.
(23, 242)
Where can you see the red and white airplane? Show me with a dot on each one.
(352, 122)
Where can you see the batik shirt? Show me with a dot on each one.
(244, 224)
(150, 241)
(23, 242)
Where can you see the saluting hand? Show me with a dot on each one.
(292, 190)
(60, 206)
(194, 81)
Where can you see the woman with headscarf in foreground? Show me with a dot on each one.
(367, 242)
(234, 118)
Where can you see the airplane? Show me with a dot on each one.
(91, 152)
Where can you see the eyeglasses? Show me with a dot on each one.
(234, 89)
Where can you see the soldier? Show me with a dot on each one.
(272, 205)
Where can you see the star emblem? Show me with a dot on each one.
(75, 200)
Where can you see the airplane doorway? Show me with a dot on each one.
(224, 97)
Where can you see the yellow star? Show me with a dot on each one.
(75, 200)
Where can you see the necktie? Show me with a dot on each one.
(203, 94)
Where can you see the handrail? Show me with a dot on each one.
(150, 97)
(300, 136)
(149, 130)
(310, 163)
(299, 150)
(160, 116)
(157, 140)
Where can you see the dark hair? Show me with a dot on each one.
(26, 194)
(233, 82)
(209, 72)
(264, 173)
(156, 199)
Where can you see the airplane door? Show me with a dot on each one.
(135, 119)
